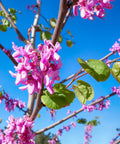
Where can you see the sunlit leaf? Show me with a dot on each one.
(53, 22)
(45, 35)
(84, 91)
(60, 39)
(62, 97)
(0, 120)
(39, 115)
(11, 10)
(69, 43)
(70, 33)
(96, 68)
(6, 22)
(82, 121)
(115, 71)
(0, 94)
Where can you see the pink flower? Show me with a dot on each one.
(91, 8)
(31, 69)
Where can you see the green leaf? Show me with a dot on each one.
(3, 28)
(93, 122)
(62, 97)
(83, 91)
(82, 121)
(69, 33)
(14, 18)
(60, 39)
(69, 43)
(39, 115)
(45, 35)
(53, 22)
(96, 68)
(0, 120)
(2, 13)
(0, 94)
(6, 22)
(11, 10)
(115, 71)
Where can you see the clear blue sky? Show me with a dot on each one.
(92, 40)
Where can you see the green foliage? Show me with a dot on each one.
(69, 43)
(11, 10)
(43, 139)
(115, 71)
(94, 122)
(60, 39)
(0, 94)
(45, 35)
(3, 28)
(96, 68)
(39, 115)
(83, 91)
(0, 120)
(4, 21)
(62, 97)
(53, 22)
(69, 33)
(82, 121)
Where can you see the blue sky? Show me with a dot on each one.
(92, 39)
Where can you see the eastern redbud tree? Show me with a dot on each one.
(37, 69)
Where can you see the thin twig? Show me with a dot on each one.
(12, 23)
(62, 13)
(117, 142)
(67, 16)
(72, 115)
(8, 53)
(107, 56)
(31, 98)
(71, 76)
(74, 78)
(33, 33)
(38, 105)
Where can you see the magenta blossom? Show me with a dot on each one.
(91, 8)
(37, 67)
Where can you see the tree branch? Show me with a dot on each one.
(70, 77)
(72, 115)
(31, 98)
(117, 142)
(62, 13)
(38, 105)
(33, 34)
(12, 23)
(8, 53)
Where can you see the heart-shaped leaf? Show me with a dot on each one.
(53, 22)
(69, 43)
(61, 97)
(115, 71)
(3, 28)
(96, 68)
(84, 91)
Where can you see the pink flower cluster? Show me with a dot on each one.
(98, 106)
(53, 140)
(88, 130)
(18, 131)
(116, 90)
(67, 128)
(11, 104)
(37, 67)
(116, 47)
(91, 8)
(60, 131)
